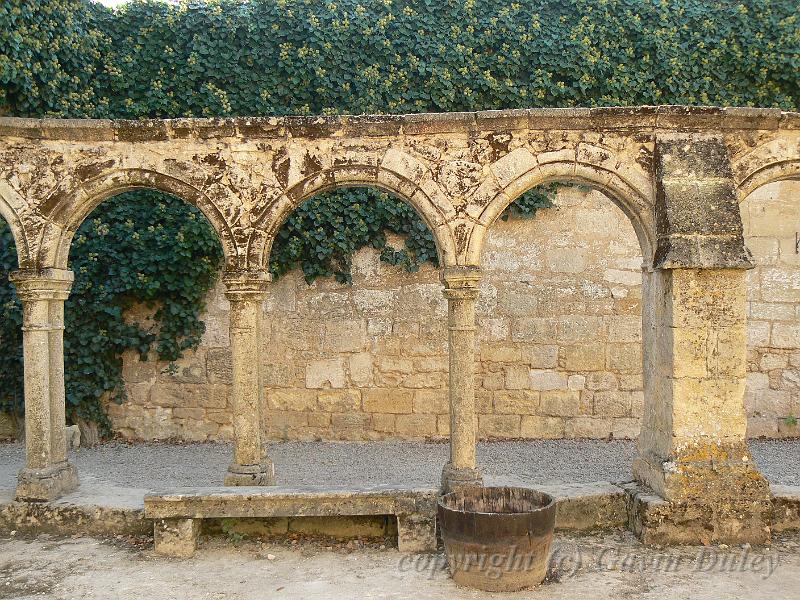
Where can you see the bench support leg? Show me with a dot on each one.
(176, 537)
(416, 533)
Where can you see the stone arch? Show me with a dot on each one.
(634, 199)
(429, 204)
(769, 173)
(67, 208)
(9, 199)
(775, 160)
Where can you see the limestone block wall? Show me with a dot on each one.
(771, 218)
(558, 348)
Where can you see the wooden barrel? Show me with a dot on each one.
(497, 539)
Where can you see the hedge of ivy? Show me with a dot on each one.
(74, 58)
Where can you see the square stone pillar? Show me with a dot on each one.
(246, 293)
(461, 291)
(692, 448)
(698, 480)
(47, 474)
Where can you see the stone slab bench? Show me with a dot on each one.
(177, 513)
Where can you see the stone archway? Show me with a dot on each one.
(398, 175)
(674, 170)
(68, 207)
(10, 204)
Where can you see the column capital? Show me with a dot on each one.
(243, 285)
(42, 284)
(461, 282)
(697, 209)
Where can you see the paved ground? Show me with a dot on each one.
(157, 465)
(612, 566)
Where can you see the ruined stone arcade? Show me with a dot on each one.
(677, 173)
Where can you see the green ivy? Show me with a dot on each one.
(144, 249)
(75, 58)
(51, 58)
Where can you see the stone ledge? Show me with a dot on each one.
(280, 501)
(637, 118)
(107, 510)
(92, 510)
(101, 510)
(659, 522)
(586, 506)
(580, 506)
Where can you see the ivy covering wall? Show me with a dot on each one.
(74, 58)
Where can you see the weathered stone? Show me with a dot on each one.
(360, 366)
(547, 380)
(344, 336)
(679, 175)
(517, 377)
(387, 401)
(560, 403)
(588, 427)
(177, 516)
(499, 426)
(415, 425)
(219, 365)
(613, 404)
(339, 400)
(176, 537)
(517, 402)
(587, 357)
(293, 400)
(325, 373)
(542, 427)
(430, 401)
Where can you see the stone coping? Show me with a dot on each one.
(637, 118)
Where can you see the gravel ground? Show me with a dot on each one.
(159, 465)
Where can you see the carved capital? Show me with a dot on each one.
(461, 282)
(44, 284)
(246, 285)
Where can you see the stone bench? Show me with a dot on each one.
(177, 513)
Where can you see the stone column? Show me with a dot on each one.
(461, 291)
(700, 482)
(47, 474)
(246, 293)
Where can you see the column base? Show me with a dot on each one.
(454, 479)
(44, 485)
(261, 474)
(710, 495)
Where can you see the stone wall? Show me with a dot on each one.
(559, 339)
(771, 218)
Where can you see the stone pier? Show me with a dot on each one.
(461, 291)
(47, 473)
(693, 449)
(251, 465)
